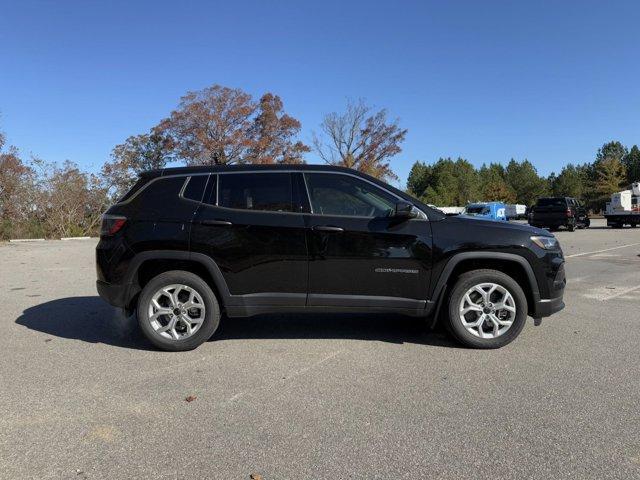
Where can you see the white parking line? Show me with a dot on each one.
(600, 251)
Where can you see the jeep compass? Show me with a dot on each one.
(186, 245)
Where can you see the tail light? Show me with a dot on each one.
(569, 212)
(111, 224)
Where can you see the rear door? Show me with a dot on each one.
(251, 225)
(359, 255)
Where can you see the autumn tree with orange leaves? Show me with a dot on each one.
(220, 126)
(360, 139)
(272, 134)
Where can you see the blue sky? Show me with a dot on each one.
(549, 81)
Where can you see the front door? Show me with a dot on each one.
(251, 225)
(359, 255)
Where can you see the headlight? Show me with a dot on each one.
(546, 243)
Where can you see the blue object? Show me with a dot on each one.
(488, 210)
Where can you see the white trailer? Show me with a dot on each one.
(516, 211)
(451, 210)
(624, 208)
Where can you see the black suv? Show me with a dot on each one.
(555, 212)
(186, 245)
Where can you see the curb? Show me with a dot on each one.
(21, 240)
(75, 238)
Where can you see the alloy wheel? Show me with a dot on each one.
(487, 310)
(176, 311)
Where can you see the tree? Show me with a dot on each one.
(211, 126)
(138, 153)
(523, 179)
(613, 149)
(445, 183)
(610, 176)
(571, 182)
(148, 151)
(419, 179)
(632, 163)
(272, 134)
(493, 186)
(72, 201)
(360, 139)
(16, 193)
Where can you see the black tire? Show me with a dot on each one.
(571, 227)
(475, 277)
(211, 314)
(587, 223)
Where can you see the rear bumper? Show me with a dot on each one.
(114, 294)
(550, 224)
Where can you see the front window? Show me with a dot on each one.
(337, 194)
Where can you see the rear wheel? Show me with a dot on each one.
(177, 311)
(487, 309)
(571, 227)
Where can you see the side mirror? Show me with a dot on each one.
(404, 210)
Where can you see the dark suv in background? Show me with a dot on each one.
(186, 245)
(556, 212)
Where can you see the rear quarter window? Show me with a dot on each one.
(194, 188)
(136, 186)
(160, 199)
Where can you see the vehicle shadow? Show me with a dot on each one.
(91, 319)
(381, 327)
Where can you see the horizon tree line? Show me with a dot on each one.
(219, 125)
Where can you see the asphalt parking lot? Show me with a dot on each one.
(321, 397)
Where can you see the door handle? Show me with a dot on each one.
(216, 222)
(328, 228)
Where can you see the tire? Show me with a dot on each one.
(185, 284)
(468, 281)
(587, 223)
(571, 227)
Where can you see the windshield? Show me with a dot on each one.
(477, 210)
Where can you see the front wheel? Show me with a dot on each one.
(177, 311)
(487, 309)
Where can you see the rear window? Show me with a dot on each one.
(270, 192)
(551, 202)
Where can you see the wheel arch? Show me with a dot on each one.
(513, 265)
(146, 265)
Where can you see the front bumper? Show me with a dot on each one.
(547, 307)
